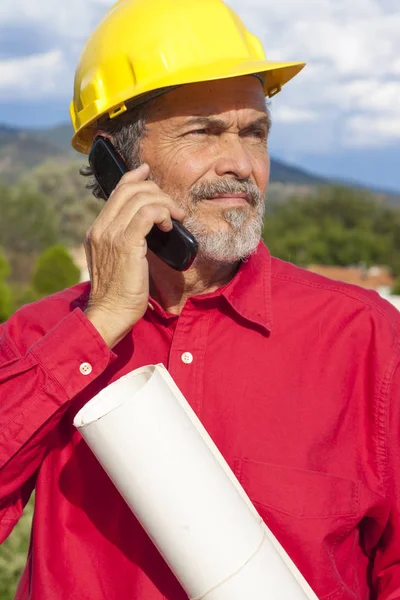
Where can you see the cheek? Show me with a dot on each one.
(180, 168)
(261, 172)
(180, 177)
(177, 167)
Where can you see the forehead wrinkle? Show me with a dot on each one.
(220, 123)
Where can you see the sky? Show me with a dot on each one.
(339, 117)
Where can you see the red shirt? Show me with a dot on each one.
(294, 376)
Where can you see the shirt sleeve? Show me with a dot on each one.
(36, 387)
(386, 570)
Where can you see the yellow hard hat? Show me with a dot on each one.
(145, 45)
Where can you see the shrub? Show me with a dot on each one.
(6, 301)
(54, 271)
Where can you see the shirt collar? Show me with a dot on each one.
(249, 292)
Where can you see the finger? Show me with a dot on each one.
(122, 195)
(144, 220)
(137, 175)
(132, 207)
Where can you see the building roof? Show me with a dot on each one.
(371, 278)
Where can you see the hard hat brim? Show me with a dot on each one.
(275, 75)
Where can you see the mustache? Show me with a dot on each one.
(208, 189)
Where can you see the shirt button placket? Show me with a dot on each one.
(186, 359)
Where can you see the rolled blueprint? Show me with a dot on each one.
(176, 482)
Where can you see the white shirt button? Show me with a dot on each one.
(187, 358)
(85, 368)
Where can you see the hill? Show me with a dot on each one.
(60, 136)
(21, 151)
(280, 171)
(24, 149)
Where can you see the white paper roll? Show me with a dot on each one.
(176, 482)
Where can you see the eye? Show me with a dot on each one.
(197, 132)
(260, 134)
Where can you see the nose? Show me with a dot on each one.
(234, 158)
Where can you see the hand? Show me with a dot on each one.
(116, 252)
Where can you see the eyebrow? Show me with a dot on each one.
(215, 122)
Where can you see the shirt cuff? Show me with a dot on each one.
(73, 353)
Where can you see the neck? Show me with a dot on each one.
(172, 288)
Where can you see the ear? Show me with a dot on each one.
(104, 134)
(107, 136)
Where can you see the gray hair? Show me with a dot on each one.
(127, 131)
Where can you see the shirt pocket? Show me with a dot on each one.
(314, 516)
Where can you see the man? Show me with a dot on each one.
(294, 376)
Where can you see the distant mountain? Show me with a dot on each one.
(60, 136)
(284, 173)
(21, 150)
(25, 149)
(280, 171)
(5, 131)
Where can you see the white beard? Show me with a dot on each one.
(228, 244)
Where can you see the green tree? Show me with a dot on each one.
(55, 271)
(28, 225)
(60, 182)
(396, 287)
(28, 221)
(23, 294)
(6, 301)
(335, 226)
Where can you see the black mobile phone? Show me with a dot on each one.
(178, 247)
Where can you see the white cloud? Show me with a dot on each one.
(36, 76)
(347, 95)
(67, 19)
(352, 79)
(369, 131)
(286, 114)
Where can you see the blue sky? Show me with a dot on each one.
(339, 117)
